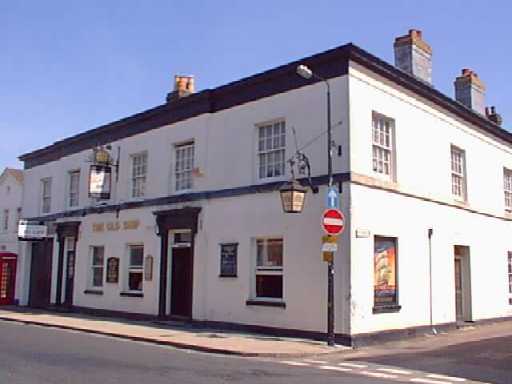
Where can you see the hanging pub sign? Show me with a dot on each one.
(228, 256)
(31, 231)
(100, 181)
(113, 270)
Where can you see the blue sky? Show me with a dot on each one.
(68, 66)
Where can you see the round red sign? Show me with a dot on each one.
(333, 221)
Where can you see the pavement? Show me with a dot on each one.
(172, 334)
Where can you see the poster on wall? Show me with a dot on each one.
(385, 289)
(100, 179)
(228, 256)
(112, 270)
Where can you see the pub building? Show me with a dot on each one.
(175, 212)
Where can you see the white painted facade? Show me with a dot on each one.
(225, 155)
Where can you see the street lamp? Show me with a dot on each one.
(306, 73)
(292, 197)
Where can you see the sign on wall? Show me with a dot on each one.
(100, 181)
(31, 231)
(228, 260)
(385, 287)
(148, 268)
(113, 270)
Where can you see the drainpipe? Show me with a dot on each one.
(430, 233)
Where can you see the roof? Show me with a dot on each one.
(328, 64)
(16, 173)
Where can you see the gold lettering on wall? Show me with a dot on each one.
(116, 225)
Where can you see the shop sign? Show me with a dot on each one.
(100, 181)
(228, 259)
(31, 230)
(116, 225)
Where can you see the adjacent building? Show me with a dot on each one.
(175, 212)
(11, 191)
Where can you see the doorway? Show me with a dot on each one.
(7, 278)
(462, 277)
(41, 274)
(181, 273)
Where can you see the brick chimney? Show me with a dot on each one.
(492, 115)
(470, 91)
(413, 55)
(183, 86)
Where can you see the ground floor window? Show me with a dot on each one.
(135, 267)
(97, 266)
(269, 268)
(385, 272)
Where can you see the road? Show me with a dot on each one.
(32, 354)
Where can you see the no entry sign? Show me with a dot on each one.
(333, 222)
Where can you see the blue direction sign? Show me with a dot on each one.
(332, 198)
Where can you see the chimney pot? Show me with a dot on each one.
(491, 114)
(413, 55)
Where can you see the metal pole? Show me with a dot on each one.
(330, 267)
(430, 232)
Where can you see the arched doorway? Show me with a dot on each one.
(7, 277)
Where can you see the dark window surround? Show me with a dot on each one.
(328, 64)
(265, 303)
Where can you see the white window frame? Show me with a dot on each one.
(264, 151)
(94, 267)
(134, 268)
(138, 180)
(458, 173)
(5, 220)
(46, 195)
(184, 162)
(277, 270)
(73, 198)
(507, 188)
(383, 146)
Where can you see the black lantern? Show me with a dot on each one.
(292, 197)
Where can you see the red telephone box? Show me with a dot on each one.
(7, 277)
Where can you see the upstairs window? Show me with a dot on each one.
(46, 195)
(5, 221)
(184, 166)
(139, 171)
(382, 145)
(271, 149)
(507, 188)
(74, 187)
(458, 160)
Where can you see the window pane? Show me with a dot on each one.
(97, 255)
(135, 281)
(269, 253)
(269, 286)
(136, 255)
(97, 277)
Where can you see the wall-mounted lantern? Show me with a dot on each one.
(293, 196)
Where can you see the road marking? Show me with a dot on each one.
(436, 376)
(427, 381)
(393, 370)
(353, 365)
(332, 368)
(296, 363)
(315, 361)
(377, 374)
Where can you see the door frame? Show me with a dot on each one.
(11, 257)
(462, 253)
(65, 230)
(168, 220)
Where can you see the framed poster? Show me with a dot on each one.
(385, 272)
(148, 268)
(112, 270)
(100, 180)
(228, 260)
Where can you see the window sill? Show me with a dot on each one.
(387, 309)
(132, 294)
(221, 275)
(266, 303)
(93, 292)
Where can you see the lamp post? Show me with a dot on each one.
(307, 73)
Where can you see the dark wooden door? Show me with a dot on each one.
(181, 282)
(41, 274)
(7, 279)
